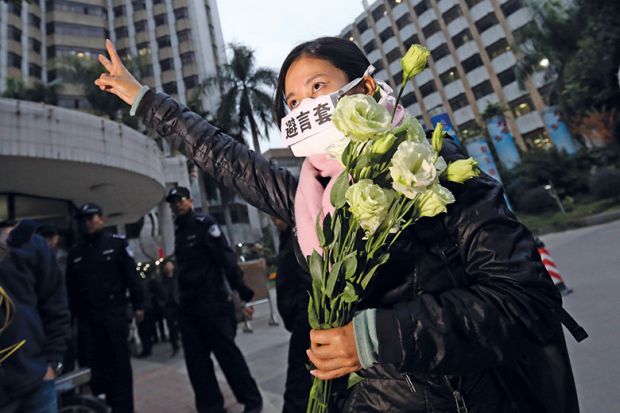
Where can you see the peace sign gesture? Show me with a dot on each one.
(118, 80)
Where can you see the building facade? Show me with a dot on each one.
(53, 156)
(471, 65)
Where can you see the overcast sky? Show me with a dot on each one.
(273, 27)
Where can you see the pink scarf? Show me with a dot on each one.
(311, 199)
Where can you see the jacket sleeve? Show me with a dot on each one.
(505, 308)
(52, 303)
(224, 256)
(230, 163)
(135, 284)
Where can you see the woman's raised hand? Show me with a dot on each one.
(118, 80)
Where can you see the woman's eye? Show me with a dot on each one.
(316, 87)
(292, 104)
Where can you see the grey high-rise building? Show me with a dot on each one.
(472, 60)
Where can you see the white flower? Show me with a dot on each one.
(413, 129)
(336, 149)
(413, 168)
(369, 204)
(361, 118)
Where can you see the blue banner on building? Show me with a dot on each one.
(504, 142)
(478, 148)
(558, 130)
(444, 119)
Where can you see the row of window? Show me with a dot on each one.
(75, 7)
(77, 30)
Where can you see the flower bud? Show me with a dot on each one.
(414, 61)
(462, 170)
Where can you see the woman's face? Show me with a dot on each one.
(309, 77)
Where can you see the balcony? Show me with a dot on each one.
(446, 5)
(529, 122)
(503, 62)
(390, 44)
(467, 50)
(513, 91)
(399, 11)
(382, 24)
(477, 76)
(463, 115)
(424, 77)
(444, 64)
(367, 36)
(427, 17)
(491, 35)
(433, 100)
(480, 10)
(406, 32)
(458, 25)
(519, 19)
(453, 89)
(395, 66)
(374, 56)
(58, 153)
(435, 40)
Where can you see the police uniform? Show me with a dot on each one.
(100, 270)
(207, 270)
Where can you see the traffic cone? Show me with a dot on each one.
(552, 268)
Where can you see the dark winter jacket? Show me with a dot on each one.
(100, 270)
(31, 277)
(467, 313)
(207, 266)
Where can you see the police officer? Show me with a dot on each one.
(207, 269)
(100, 270)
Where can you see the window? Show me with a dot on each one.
(452, 14)
(409, 99)
(486, 22)
(119, 11)
(430, 29)
(458, 102)
(521, 106)
(412, 40)
(440, 52)
(15, 33)
(143, 49)
(77, 30)
(511, 6)
(497, 48)
(428, 88)
(15, 8)
(472, 3)
(507, 77)
(52, 75)
(187, 58)
(471, 63)
(35, 70)
(403, 21)
(386, 34)
(34, 20)
(184, 35)
(140, 26)
(163, 41)
(393, 55)
(138, 5)
(15, 60)
(461, 38)
(469, 129)
(35, 45)
(362, 26)
(166, 64)
(449, 76)
(482, 89)
(121, 32)
(398, 78)
(378, 65)
(170, 88)
(160, 19)
(378, 12)
(370, 46)
(74, 7)
(421, 8)
(181, 13)
(190, 81)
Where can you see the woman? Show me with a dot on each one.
(463, 317)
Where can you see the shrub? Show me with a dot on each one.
(605, 183)
(535, 201)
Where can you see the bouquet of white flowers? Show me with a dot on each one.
(392, 177)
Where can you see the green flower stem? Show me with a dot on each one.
(400, 93)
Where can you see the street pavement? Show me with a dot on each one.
(588, 259)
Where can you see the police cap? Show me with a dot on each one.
(177, 193)
(88, 209)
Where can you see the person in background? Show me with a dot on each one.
(207, 269)
(100, 270)
(170, 304)
(38, 333)
(292, 287)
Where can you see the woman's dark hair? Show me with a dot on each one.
(342, 53)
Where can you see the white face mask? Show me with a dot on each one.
(308, 129)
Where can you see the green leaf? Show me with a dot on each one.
(350, 265)
(349, 295)
(354, 379)
(327, 230)
(346, 154)
(315, 263)
(367, 277)
(332, 279)
(312, 316)
(319, 230)
(339, 190)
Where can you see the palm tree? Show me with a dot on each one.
(245, 103)
(37, 92)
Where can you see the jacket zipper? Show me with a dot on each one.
(409, 382)
(461, 407)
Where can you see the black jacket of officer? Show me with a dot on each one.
(207, 266)
(100, 269)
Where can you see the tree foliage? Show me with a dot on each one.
(36, 92)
